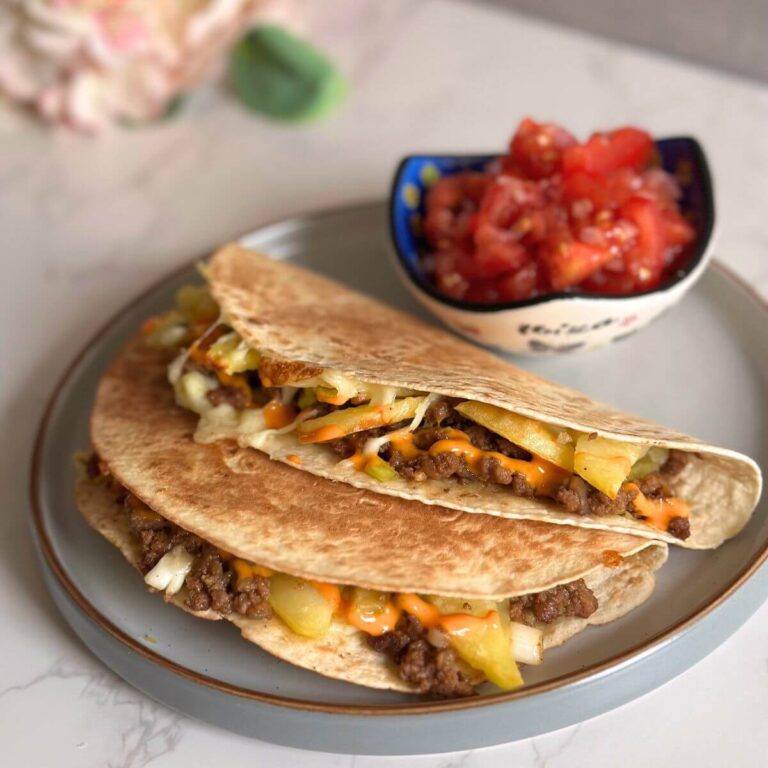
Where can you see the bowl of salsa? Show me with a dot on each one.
(556, 245)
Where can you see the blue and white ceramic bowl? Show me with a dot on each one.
(557, 322)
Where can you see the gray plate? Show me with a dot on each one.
(702, 368)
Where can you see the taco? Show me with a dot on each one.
(371, 589)
(308, 371)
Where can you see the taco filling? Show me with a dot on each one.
(396, 434)
(439, 645)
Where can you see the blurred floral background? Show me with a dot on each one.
(88, 64)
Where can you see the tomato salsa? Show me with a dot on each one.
(554, 215)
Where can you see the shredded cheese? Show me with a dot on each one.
(382, 395)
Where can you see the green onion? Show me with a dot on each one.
(653, 461)
(380, 470)
(307, 398)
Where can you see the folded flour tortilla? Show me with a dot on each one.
(294, 523)
(306, 329)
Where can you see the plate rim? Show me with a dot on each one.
(417, 707)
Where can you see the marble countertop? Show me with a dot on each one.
(85, 224)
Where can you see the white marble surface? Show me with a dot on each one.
(86, 224)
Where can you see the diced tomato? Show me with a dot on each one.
(678, 231)
(662, 187)
(456, 261)
(608, 192)
(450, 208)
(452, 284)
(612, 283)
(557, 215)
(570, 263)
(646, 259)
(519, 284)
(497, 251)
(484, 292)
(536, 149)
(607, 152)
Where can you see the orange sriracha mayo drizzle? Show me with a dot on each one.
(330, 432)
(329, 396)
(453, 624)
(333, 431)
(331, 592)
(543, 476)
(278, 415)
(294, 459)
(425, 612)
(245, 570)
(460, 624)
(150, 324)
(658, 512)
(373, 622)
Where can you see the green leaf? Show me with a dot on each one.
(284, 77)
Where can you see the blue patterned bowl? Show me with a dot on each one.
(556, 322)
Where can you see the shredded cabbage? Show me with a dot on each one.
(382, 395)
(192, 389)
(375, 444)
(170, 571)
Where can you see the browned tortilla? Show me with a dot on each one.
(309, 323)
(296, 523)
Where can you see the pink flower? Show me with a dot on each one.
(89, 63)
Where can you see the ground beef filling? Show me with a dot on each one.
(578, 497)
(574, 599)
(575, 496)
(430, 665)
(428, 668)
(211, 583)
(444, 465)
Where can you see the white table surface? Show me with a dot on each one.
(84, 225)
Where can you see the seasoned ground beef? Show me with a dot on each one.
(233, 396)
(210, 583)
(574, 599)
(675, 464)
(579, 497)
(251, 597)
(679, 527)
(445, 464)
(156, 535)
(430, 669)
(654, 486)
(480, 437)
(575, 496)
(350, 444)
(439, 412)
